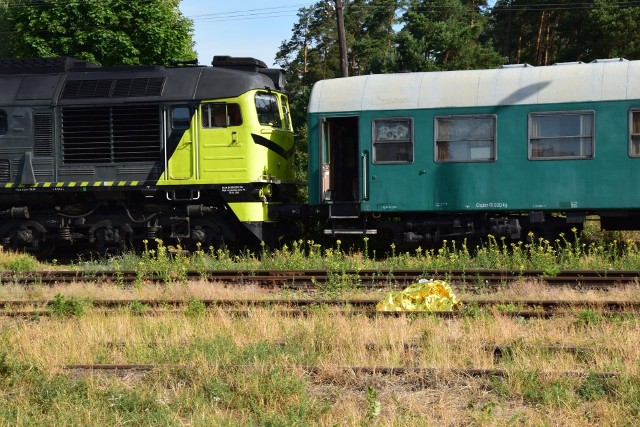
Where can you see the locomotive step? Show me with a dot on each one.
(333, 232)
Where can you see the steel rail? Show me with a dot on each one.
(366, 370)
(314, 302)
(308, 306)
(309, 279)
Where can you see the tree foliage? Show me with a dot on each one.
(107, 32)
(370, 24)
(545, 32)
(311, 54)
(445, 35)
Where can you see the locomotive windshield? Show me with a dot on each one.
(267, 109)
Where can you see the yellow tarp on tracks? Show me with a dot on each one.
(425, 295)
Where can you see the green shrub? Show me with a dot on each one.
(195, 308)
(68, 307)
(18, 262)
(138, 307)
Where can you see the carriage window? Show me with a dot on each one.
(267, 109)
(180, 117)
(220, 115)
(634, 134)
(465, 138)
(393, 141)
(4, 127)
(561, 135)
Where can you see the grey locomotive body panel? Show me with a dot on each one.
(71, 121)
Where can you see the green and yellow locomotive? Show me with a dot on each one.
(103, 156)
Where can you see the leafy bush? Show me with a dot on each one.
(68, 307)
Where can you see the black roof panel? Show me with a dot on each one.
(70, 81)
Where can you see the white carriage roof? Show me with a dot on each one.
(512, 85)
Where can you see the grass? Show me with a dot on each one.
(222, 369)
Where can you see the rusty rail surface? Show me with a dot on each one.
(310, 306)
(310, 279)
(426, 372)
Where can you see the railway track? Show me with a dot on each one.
(419, 372)
(308, 306)
(310, 279)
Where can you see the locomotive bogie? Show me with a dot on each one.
(507, 152)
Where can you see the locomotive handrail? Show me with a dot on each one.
(196, 141)
(165, 148)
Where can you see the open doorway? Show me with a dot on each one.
(339, 139)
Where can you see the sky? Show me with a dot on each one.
(254, 28)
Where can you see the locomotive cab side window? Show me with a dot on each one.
(267, 109)
(465, 139)
(393, 140)
(561, 135)
(634, 133)
(4, 127)
(220, 114)
(180, 117)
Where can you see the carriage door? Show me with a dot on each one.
(340, 160)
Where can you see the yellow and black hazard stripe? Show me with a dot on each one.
(75, 184)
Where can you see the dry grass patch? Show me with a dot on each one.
(218, 367)
(537, 289)
(176, 291)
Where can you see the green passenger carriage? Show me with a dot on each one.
(421, 157)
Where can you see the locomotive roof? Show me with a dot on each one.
(69, 81)
(510, 85)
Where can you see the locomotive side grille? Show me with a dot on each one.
(43, 167)
(139, 87)
(5, 170)
(77, 171)
(111, 134)
(86, 135)
(87, 88)
(106, 88)
(43, 133)
(136, 133)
